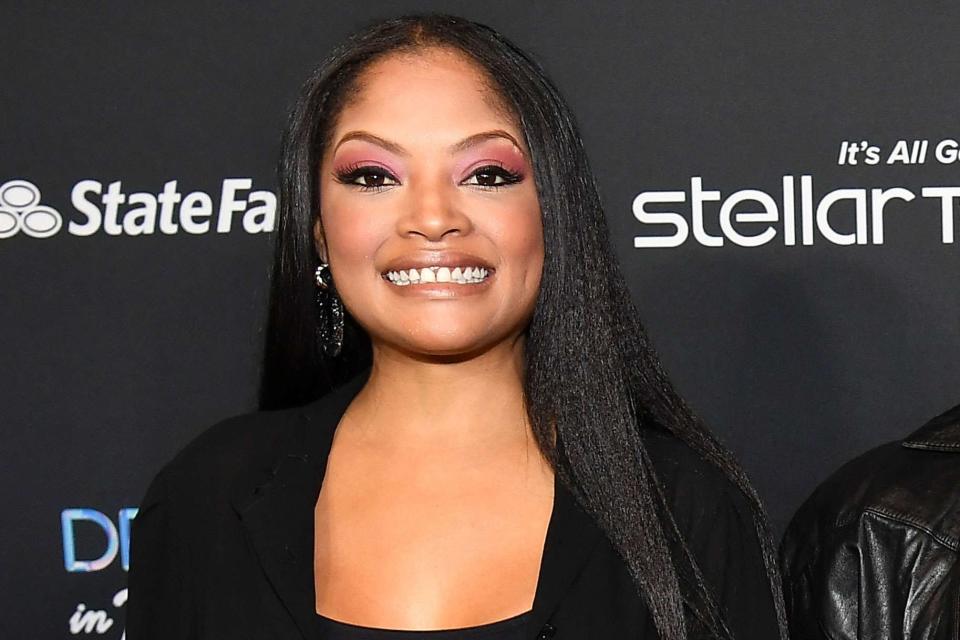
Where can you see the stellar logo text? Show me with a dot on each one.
(797, 216)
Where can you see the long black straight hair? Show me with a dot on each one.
(593, 384)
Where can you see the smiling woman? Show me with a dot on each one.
(426, 179)
(469, 434)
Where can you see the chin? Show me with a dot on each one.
(446, 348)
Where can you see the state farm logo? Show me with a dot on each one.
(20, 210)
(107, 208)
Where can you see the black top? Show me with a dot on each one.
(222, 546)
(508, 629)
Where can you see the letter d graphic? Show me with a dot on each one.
(67, 518)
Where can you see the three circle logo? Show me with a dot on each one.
(20, 210)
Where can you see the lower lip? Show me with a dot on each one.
(441, 289)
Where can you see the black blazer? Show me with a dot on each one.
(222, 546)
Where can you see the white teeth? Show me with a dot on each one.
(460, 275)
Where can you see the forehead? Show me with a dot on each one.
(425, 91)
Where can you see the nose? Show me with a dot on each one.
(433, 211)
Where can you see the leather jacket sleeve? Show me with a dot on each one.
(853, 585)
(869, 556)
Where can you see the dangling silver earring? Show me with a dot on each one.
(329, 312)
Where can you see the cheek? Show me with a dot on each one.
(353, 231)
(519, 234)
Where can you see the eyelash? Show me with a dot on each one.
(350, 174)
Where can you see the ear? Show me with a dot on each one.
(319, 242)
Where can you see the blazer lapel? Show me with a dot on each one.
(276, 505)
(571, 539)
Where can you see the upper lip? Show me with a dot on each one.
(436, 259)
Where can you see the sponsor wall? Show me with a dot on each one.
(782, 186)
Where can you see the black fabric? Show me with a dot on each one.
(223, 544)
(874, 553)
(513, 628)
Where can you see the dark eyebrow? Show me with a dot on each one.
(393, 147)
(477, 138)
(377, 140)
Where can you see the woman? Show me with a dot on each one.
(489, 447)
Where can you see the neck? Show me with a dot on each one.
(443, 403)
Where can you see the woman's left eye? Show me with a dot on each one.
(493, 176)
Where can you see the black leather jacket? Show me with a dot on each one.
(873, 553)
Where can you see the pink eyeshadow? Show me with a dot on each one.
(495, 152)
(364, 156)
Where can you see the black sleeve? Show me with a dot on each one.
(726, 546)
(159, 604)
(716, 521)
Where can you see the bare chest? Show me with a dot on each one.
(423, 553)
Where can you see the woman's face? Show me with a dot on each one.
(430, 217)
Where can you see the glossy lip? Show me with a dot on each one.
(448, 259)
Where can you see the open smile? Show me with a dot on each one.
(460, 275)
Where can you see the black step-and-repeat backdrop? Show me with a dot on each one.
(782, 186)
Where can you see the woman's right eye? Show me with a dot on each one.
(367, 178)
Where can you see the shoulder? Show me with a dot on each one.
(892, 506)
(697, 490)
(233, 443)
(219, 455)
(907, 485)
(187, 531)
(238, 450)
(853, 488)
